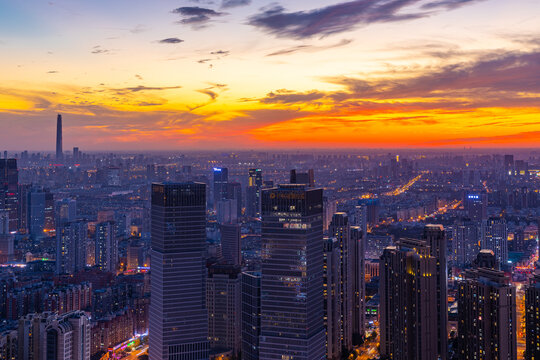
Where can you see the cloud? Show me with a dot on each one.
(138, 76)
(220, 52)
(213, 95)
(490, 80)
(448, 4)
(524, 138)
(342, 17)
(52, 72)
(225, 4)
(173, 40)
(143, 88)
(139, 28)
(99, 50)
(289, 97)
(196, 16)
(309, 48)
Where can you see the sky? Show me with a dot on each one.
(250, 74)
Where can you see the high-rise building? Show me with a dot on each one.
(408, 302)
(234, 192)
(292, 325)
(134, 255)
(230, 243)
(71, 240)
(9, 191)
(59, 151)
(223, 301)
(532, 318)
(255, 178)
(251, 314)
(253, 201)
(40, 212)
(227, 210)
(56, 337)
(307, 178)
(435, 237)
(178, 314)
(509, 164)
(494, 233)
(340, 230)
(106, 246)
(475, 205)
(329, 209)
(465, 242)
(359, 284)
(76, 153)
(253, 193)
(487, 322)
(332, 298)
(221, 178)
(23, 191)
(6, 238)
(66, 211)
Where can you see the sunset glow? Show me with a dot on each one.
(254, 74)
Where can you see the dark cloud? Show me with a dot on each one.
(225, 4)
(490, 78)
(52, 72)
(144, 103)
(309, 48)
(220, 52)
(331, 19)
(290, 97)
(342, 17)
(195, 15)
(203, 61)
(173, 40)
(138, 76)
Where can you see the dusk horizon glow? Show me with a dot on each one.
(241, 74)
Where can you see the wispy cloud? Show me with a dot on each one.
(342, 17)
(309, 48)
(196, 16)
(225, 4)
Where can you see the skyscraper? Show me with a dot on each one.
(495, 238)
(476, 205)
(532, 318)
(435, 237)
(359, 283)
(253, 193)
(59, 151)
(307, 178)
(292, 324)
(408, 307)
(332, 298)
(221, 178)
(465, 242)
(340, 230)
(251, 314)
(106, 247)
(223, 301)
(178, 315)
(487, 322)
(230, 243)
(71, 240)
(9, 190)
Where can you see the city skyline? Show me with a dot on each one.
(251, 74)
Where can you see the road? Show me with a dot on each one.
(134, 355)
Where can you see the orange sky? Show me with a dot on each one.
(248, 74)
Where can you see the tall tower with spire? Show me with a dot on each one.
(59, 152)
